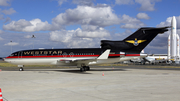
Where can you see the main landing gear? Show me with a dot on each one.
(84, 68)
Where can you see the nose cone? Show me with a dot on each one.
(173, 22)
(4, 59)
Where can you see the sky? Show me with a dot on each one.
(81, 23)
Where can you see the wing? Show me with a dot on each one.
(86, 60)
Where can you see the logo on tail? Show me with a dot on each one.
(135, 42)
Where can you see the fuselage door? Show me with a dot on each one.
(122, 54)
(20, 55)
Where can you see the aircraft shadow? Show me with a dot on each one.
(88, 72)
(72, 71)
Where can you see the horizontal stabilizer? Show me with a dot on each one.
(104, 55)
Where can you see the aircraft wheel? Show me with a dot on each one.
(168, 62)
(82, 69)
(21, 69)
(87, 68)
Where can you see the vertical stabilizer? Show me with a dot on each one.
(142, 37)
(136, 42)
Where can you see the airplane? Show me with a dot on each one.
(110, 52)
(153, 58)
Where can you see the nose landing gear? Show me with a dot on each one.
(21, 67)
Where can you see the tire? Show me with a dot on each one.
(21, 69)
(82, 69)
(87, 68)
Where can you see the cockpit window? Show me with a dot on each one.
(14, 54)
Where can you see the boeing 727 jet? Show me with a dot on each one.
(110, 52)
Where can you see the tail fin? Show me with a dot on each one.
(136, 42)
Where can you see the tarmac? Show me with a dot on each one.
(99, 84)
